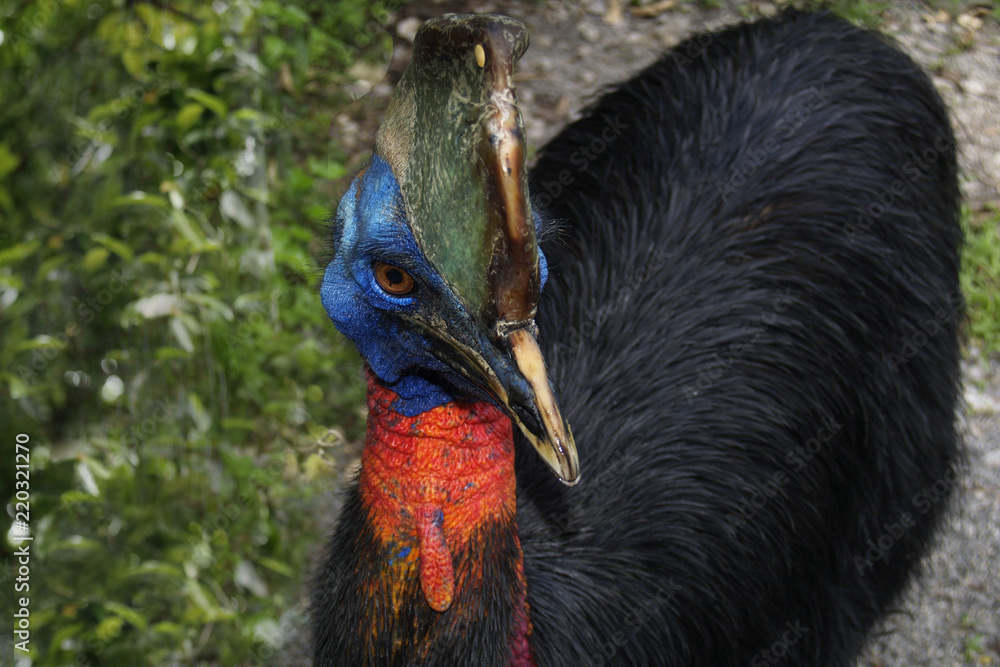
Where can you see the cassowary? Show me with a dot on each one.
(727, 319)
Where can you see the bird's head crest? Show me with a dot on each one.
(454, 139)
(443, 213)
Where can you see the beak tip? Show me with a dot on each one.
(569, 472)
(570, 482)
(554, 442)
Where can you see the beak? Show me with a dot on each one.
(513, 374)
(554, 440)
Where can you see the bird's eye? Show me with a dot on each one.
(393, 279)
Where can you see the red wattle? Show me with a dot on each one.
(429, 482)
(452, 466)
(437, 574)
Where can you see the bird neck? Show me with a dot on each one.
(439, 492)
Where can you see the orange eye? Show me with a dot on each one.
(393, 279)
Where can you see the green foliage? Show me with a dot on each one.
(981, 277)
(869, 13)
(165, 172)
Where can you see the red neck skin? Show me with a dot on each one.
(429, 482)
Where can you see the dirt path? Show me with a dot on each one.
(952, 616)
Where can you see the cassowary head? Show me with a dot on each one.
(436, 269)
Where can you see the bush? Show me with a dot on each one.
(165, 171)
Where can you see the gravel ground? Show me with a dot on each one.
(951, 616)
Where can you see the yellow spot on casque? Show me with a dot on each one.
(480, 55)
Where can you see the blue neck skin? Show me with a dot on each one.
(371, 226)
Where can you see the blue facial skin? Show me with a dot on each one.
(371, 226)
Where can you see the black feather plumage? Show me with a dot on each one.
(719, 299)
(752, 317)
(431, 638)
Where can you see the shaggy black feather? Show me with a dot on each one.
(353, 602)
(752, 315)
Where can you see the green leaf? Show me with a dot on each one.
(294, 16)
(299, 180)
(94, 259)
(276, 566)
(168, 628)
(250, 115)
(168, 352)
(39, 342)
(188, 231)
(212, 102)
(152, 258)
(270, 8)
(156, 567)
(141, 198)
(127, 613)
(55, 262)
(107, 110)
(213, 304)
(196, 594)
(114, 245)
(239, 423)
(66, 632)
(202, 419)
(181, 334)
(189, 115)
(8, 160)
(18, 389)
(135, 63)
(274, 49)
(74, 497)
(76, 543)
(19, 252)
(109, 629)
